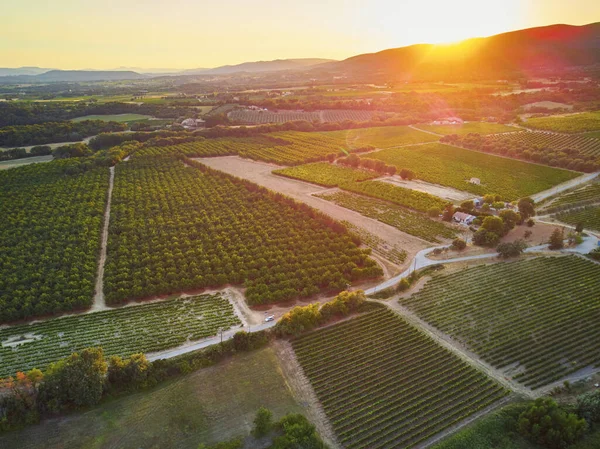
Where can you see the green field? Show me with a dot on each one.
(210, 405)
(120, 118)
(24, 161)
(325, 174)
(386, 137)
(536, 318)
(469, 127)
(454, 167)
(399, 217)
(383, 383)
(125, 331)
(589, 216)
(574, 123)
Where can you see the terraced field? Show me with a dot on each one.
(124, 331)
(454, 167)
(392, 253)
(589, 216)
(537, 319)
(469, 127)
(399, 217)
(573, 123)
(384, 384)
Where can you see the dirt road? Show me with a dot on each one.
(99, 302)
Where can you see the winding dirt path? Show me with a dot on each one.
(99, 302)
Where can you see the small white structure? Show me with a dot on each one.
(463, 218)
(476, 181)
(192, 123)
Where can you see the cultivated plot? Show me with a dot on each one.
(455, 167)
(385, 384)
(469, 127)
(49, 237)
(399, 217)
(589, 216)
(572, 123)
(125, 331)
(536, 319)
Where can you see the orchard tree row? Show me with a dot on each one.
(175, 228)
(49, 237)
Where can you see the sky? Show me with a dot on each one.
(106, 34)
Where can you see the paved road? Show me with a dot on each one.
(228, 335)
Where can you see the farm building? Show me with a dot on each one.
(463, 218)
(476, 181)
(193, 123)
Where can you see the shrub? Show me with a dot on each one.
(263, 422)
(434, 212)
(458, 244)
(546, 424)
(511, 249)
(556, 239)
(588, 406)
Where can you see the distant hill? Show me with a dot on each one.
(22, 71)
(259, 66)
(74, 76)
(549, 49)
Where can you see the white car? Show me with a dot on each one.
(270, 318)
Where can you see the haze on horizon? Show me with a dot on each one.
(180, 34)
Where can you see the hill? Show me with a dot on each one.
(550, 49)
(259, 66)
(73, 76)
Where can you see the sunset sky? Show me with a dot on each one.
(76, 34)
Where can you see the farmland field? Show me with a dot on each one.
(450, 166)
(589, 216)
(282, 116)
(539, 327)
(586, 195)
(125, 331)
(554, 142)
(207, 406)
(175, 228)
(285, 148)
(413, 199)
(120, 118)
(325, 174)
(390, 252)
(49, 237)
(469, 127)
(387, 136)
(400, 218)
(573, 123)
(383, 383)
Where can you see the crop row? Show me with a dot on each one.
(589, 216)
(573, 123)
(124, 331)
(400, 218)
(537, 316)
(383, 383)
